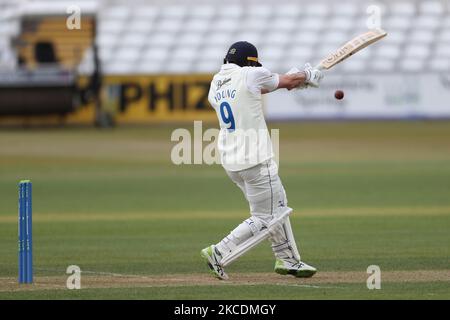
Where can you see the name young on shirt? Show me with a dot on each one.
(228, 93)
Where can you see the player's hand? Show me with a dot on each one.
(313, 76)
(296, 70)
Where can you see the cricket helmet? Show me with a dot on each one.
(243, 54)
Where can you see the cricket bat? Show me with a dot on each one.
(351, 47)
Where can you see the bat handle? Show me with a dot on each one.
(319, 67)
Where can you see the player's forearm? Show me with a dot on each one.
(291, 81)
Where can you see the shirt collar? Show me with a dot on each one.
(228, 66)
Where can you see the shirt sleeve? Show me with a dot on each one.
(259, 78)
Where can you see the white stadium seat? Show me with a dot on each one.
(412, 64)
(196, 25)
(345, 9)
(446, 22)
(203, 11)
(232, 11)
(273, 65)
(365, 54)
(360, 25)
(106, 54)
(251, 36)
(146, 12)
(325, 49)
(286, 64)
(355, 66)
(150, 66)
(260, 10)
(182, 54)
(155, 54)
(271, 53)
(340, 23)
(253, 23)
(111, 26)
(443, 50)
(431, 7)
(289, 63)
(440, 64)
(174, 12)
(223, 39)
(421, 36)
(288, 11)
(277, 38)
(209, 66)
(107, 40)
(162, 39)
(127, 54)
(120, 12)
(381, 65)
(134, 39)
(398, 23)
(190, 39)
(214, 53)
(404, 8)
(179, 66)
(395, 37)
(312, 23)
(300, 53)
(222, 25)
(306, 38)
(417, 51)
(140, 25)
(168, 24)
(444, 36)
(427, 22)
(317, 9)
(388, 51)
(336, 38)
(284, 24)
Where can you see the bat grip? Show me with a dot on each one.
(319, 67)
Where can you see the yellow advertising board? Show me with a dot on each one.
(139, 99)
(157, 98)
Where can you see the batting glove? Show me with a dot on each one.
(313, 76)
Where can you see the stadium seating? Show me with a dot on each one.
(175, 37)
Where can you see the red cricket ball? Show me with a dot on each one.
(339, 94)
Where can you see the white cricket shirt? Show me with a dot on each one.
(235, 94)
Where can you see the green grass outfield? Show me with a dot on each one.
(111, 202)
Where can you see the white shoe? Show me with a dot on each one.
(297, 269)
(212, 258)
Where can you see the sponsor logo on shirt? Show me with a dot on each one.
(221, 83)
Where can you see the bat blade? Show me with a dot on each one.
(350, 48)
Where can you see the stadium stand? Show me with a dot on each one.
(174, 37)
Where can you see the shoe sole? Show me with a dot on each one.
(297, 274)
(205, 256)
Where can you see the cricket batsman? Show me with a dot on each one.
(246, 154)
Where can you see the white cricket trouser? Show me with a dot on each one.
(264, 191)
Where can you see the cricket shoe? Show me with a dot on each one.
(295, 268)
(212, 258)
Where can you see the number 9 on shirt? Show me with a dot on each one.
(227, 116)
